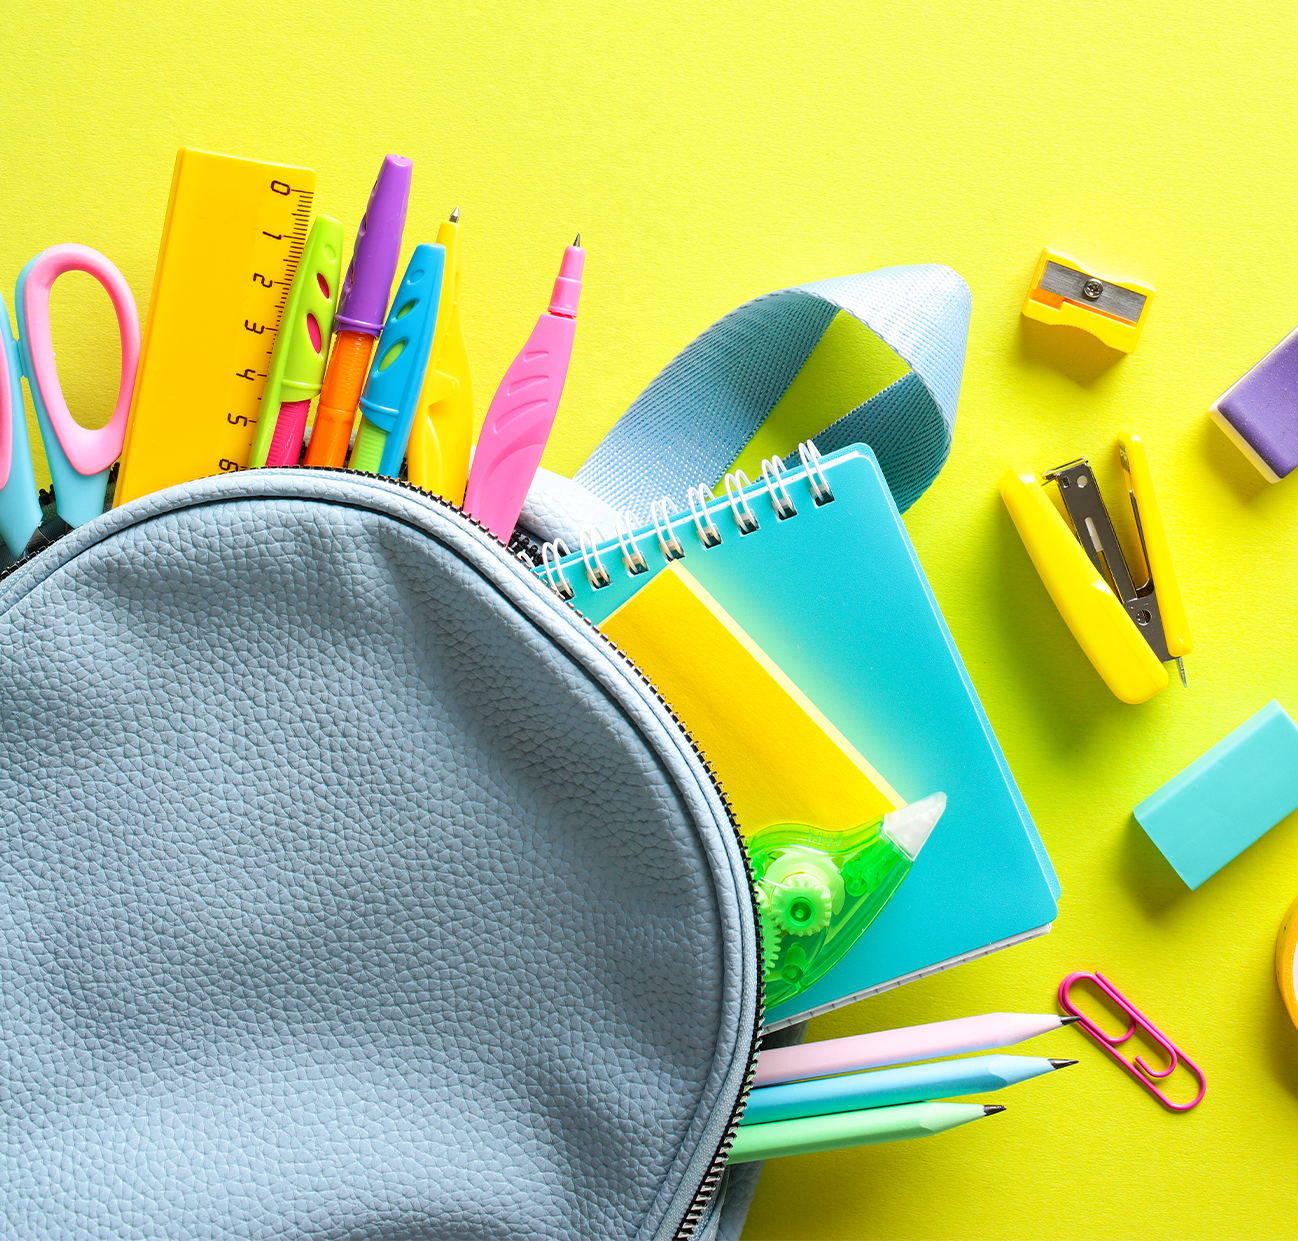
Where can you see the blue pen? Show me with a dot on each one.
(392, 391)
(915, 1083)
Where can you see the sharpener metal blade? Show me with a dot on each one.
(1095, 532)
(1077, 286)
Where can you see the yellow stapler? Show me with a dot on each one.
(1064, 294)
(1127, 631)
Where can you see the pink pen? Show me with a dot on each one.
(523, 409)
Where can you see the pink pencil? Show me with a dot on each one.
(523, 409)
(873, 1051)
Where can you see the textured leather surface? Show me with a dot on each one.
(350, 887)
(558, 508)
(690, 424)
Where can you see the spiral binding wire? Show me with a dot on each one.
(596, 573)
(774, 473)
(632, 556)
(698, 497)
(550, 556)
(771, 468)
(746, 519)
(809, 455)
(671, 545)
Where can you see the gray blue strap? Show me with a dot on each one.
(695, 418)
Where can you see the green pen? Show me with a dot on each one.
(297, 364)
(863, 1128)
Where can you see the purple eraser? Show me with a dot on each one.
(1260, 413)
(364, 300)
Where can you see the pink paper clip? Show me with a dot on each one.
(1137, 1067)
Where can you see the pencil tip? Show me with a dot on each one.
(990, 1109)
(578, 241)
(455, 216)
(1067, 1021)
(1061, 1064)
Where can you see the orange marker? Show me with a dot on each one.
(361, 311)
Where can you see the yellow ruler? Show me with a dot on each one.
(233, 236)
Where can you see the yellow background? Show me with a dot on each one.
(710, 153)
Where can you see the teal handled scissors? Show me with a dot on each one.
(79, 457)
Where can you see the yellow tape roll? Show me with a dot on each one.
(1286, 945)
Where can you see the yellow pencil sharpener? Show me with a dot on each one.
(1127, 631)
(1065, 294)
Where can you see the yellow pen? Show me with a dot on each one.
(443, 430)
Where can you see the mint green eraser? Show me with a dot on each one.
(1221, 803)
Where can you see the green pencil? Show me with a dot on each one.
(876, 1124)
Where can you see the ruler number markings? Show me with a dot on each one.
(285, 214)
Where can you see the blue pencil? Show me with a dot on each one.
(916, 1083)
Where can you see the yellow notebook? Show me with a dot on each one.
(777, 757)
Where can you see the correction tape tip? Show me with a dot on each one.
(909, 827)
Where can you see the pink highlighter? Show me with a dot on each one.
(523, 409)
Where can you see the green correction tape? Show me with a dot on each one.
(818, 891)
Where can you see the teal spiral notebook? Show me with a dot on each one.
(836, 596)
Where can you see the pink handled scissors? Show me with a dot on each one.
(79, 457)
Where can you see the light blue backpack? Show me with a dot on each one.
(352, 885)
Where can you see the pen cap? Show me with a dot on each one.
(392, 392)
(378, 245)
(567, 287)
